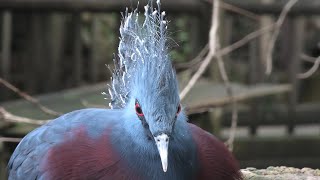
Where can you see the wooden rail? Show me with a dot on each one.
(306, 7)
(96, 5)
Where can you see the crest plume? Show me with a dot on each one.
(142, 49)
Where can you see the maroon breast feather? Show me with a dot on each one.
(216, 161)
(83, 157)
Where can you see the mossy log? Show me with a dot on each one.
(281, 173)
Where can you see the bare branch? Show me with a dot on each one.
(214, 27)
(9, 139)
(308, 58)
(7, 116)
(223, 52)
(238, 10)
(226, 81)
(194, 61)
(230, 93)
(241, 11)
(246, 39)
(29, 98)
(311, 71)
(212, 49)
(90, 105)
(274, 36)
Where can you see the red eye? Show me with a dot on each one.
(138, 109)
(179, 109)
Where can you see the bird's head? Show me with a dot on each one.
(157, 104)
(144, 81)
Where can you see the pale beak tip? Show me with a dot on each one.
(164, 166)
(164, 169)
(162, 142)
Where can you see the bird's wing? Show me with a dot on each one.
(216, 161)
(66, 145)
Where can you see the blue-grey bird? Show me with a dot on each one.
(144, 136)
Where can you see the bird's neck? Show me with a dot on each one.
(140, 152)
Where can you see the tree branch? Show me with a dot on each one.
(90, 105)
(241, 11)
(9, 139)
(29, 98)
(223, 52)
(238, 10)
(7, 116)
(212, 49)
(307, 58)
(229, 90)
(311, 71)
(194, 61)
(274, 36)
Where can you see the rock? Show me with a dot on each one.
(281, 173)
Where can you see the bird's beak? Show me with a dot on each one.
(162, 142)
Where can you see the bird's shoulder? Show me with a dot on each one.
(216, 161)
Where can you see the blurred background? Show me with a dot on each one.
(58, 52)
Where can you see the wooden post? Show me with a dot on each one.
(195, 32)
(204, 28)
(3, 160)
(254, 76)
(258, 66)
(35, 49)
(257, 69)
(5, 61)
(77, 49)
(297, 43)
(6, 45)
(2, 167)
(54, 50)
(215, 117)
(96, 37)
